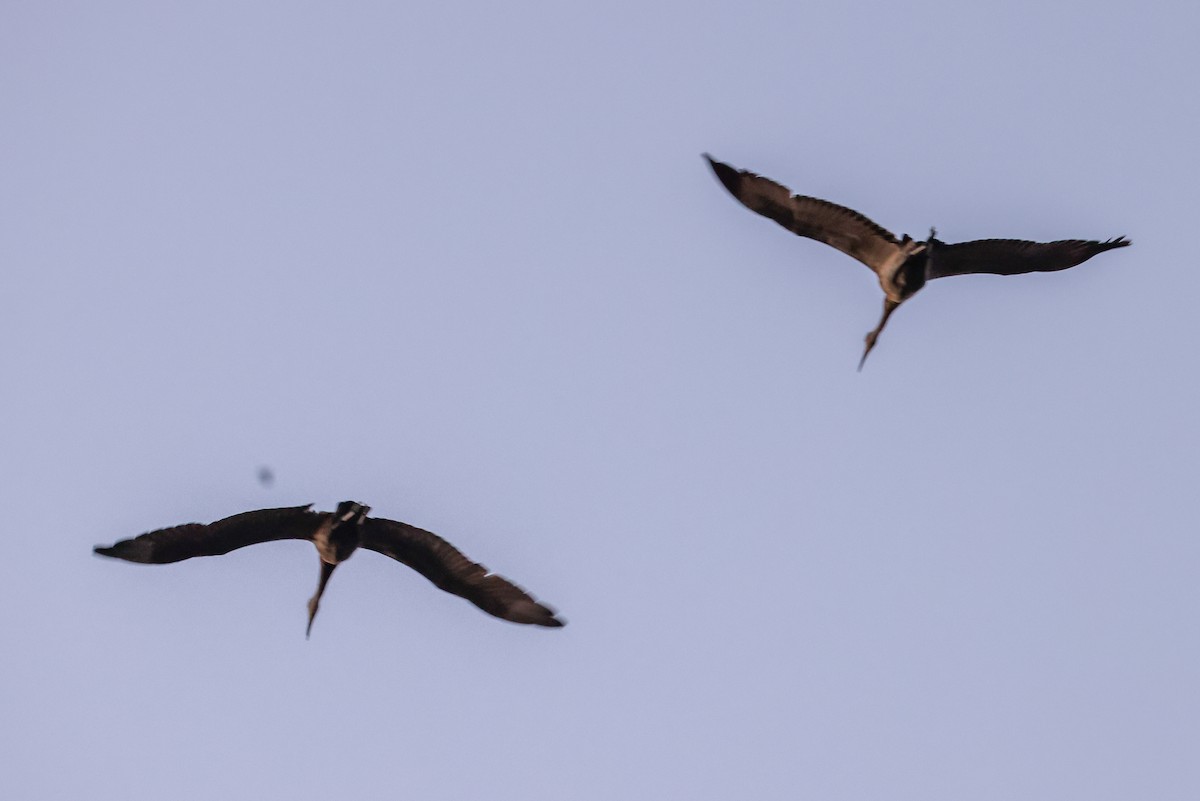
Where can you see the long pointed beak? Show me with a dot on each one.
(315, 602)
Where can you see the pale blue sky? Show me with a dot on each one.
(465, 264)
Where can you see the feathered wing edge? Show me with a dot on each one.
(450, 570)
(1015, 256)
(837, 226)
(177, 543)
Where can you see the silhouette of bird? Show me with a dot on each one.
(336, 536)
(902, 265)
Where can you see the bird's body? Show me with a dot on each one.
(903, 265)
(336, 536)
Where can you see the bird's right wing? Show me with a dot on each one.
(836, 226)
(1015, 256)
(195, 539)
(449, 569)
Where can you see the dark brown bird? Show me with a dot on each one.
(337, 535)
(902, 265)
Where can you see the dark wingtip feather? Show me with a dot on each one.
(550, 620)
(1119, 242)
(725, 174)
(533, 613)
(129, 550)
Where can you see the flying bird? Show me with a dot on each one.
(902, 265)
(336, 536)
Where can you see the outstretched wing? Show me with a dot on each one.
(194, 539)
(837, 226)
(446, 566)
(1015, 256)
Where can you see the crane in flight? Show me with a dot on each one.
(336, 536)
(902, 265)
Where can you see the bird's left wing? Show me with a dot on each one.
(1014, 256)
(195, 539)
(447, 567)
(837, 226)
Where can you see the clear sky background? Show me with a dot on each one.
(463, 262)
